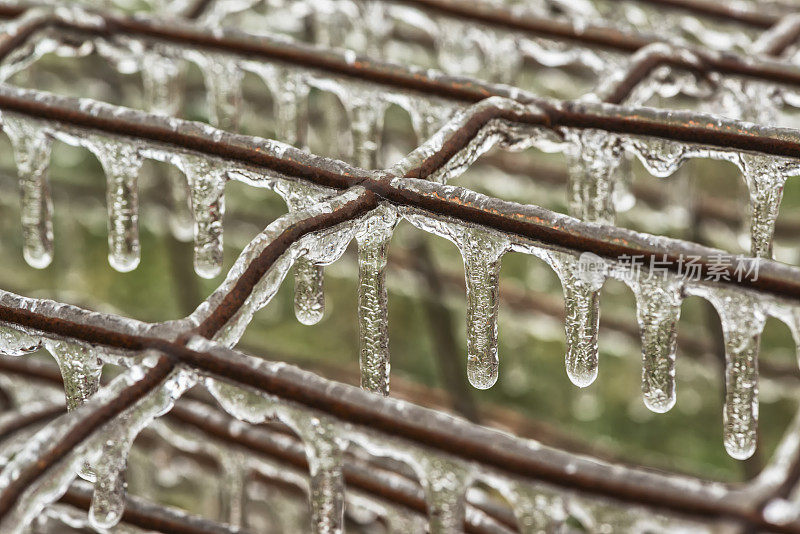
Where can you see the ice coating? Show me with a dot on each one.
(80, 368)
(658, 309)
(31, 145)
(14, 342)
(206, 180)
(321, 248)
(373, 315)
(743, 318)
(108, 502)
(581, 280)
(49, 488)
(593, 158)
(121, 163)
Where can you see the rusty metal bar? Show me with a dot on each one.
(150, 516)
(371, 71)
(408, 423)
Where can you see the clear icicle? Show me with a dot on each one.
(232, 488)
(592, 157)
(482, 252)
(291, 108)
(741, 373)
(658, 310)
(32, 154)
(163, 91)
(445, 485)
(121, 163)
(163, 85)
(765, 177)
(223, 78)
(80, 368)
(742, 318)
(324, 453)
(14, 342)
(373, 315)
(581, 281)
(309, 296)
(366, 124)
(207, 186)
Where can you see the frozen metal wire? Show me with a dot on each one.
(453, 437)
(702, 62)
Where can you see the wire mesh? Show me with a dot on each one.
(339, 435)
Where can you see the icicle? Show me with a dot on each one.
(481, 252)
(223, 79)
(502, 57)
(748, 100)
(324, 454)
(593, 157)
(32, 154)
(121, 163)
(581, 281)
(742, 318)
(232, 488)
(80, 368)
(291, 107)
(366, 124)
(661, 157)
(445, 485)
(163, 79)
(373, 241)
(309, 297)
(376, 24)
(456, 51)
(536, 510)
(207, 186)
(658, 309)
(15, 342)
(765, 177)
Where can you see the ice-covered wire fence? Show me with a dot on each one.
(427, 204)
(366, 87)
(549, 115)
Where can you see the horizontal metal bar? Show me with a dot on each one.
(372, 71)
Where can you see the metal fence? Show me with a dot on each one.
(401, 461)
